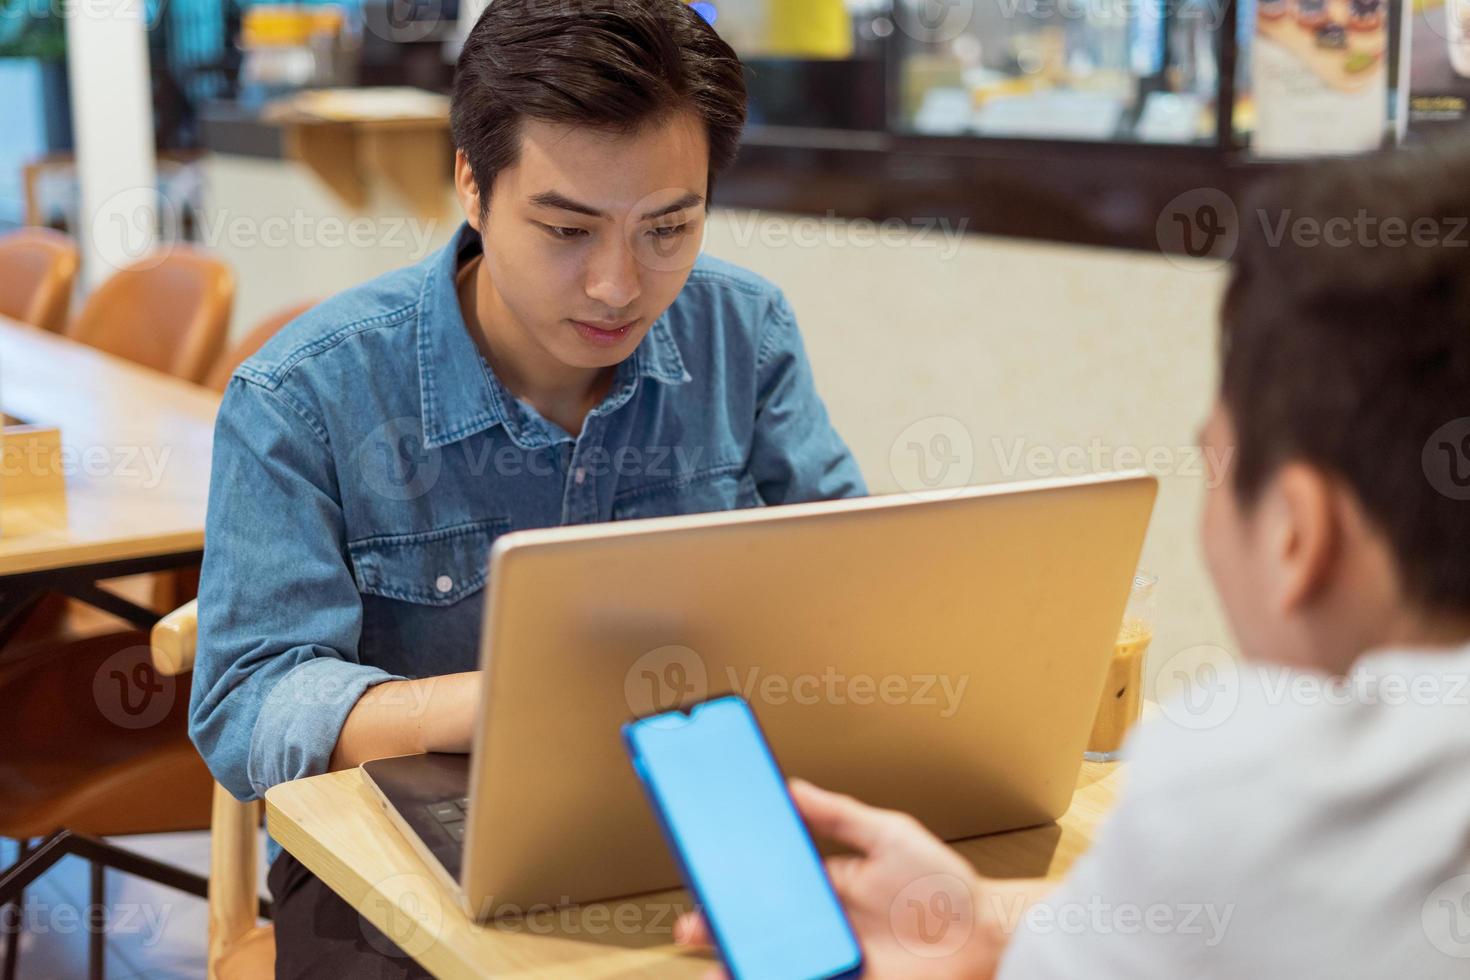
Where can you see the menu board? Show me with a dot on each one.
(1439, 65)
(1320, 70)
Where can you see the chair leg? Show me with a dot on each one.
(96, 921)
(14, 916)
(64, 842)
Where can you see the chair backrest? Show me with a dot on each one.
(234, 842)
(169, 311)
(219, 375)
(38, 269)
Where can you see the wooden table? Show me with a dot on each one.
(136, 447)
(334, 825)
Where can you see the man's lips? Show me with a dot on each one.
(603, 333)
(605, 327)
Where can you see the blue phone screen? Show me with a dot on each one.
(746, 852)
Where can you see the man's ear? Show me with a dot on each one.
(1302, 531)
(466, 189)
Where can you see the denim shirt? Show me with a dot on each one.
(367, 457)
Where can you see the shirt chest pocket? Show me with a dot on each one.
(433, 568)
(720, 488)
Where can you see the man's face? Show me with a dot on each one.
(591, 235)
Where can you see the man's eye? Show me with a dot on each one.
(565, 234)
(669, 231)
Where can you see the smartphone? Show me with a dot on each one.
(741, 846)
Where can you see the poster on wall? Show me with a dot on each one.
(1439, 66)
(1321, 76)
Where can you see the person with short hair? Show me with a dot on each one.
(1307, 813)
(568, 358)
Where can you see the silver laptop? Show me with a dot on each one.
(941, 654)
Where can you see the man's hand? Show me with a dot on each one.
(913, 902)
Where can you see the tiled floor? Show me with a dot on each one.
(152, 932)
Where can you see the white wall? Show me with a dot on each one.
(1028, 346)
(1032, 349)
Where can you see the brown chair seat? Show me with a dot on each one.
(219, 375)
(38, 268)
(169, 311)
(251, 957)
(96, 742)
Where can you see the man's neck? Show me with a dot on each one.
(560, 393)
(1344, 638)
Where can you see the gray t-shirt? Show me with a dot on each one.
(1278, 824)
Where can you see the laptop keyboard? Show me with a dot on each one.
(451, 814)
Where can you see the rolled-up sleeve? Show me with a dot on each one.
(277, 669)
(796, 454)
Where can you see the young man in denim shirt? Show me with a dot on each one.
(569, 358)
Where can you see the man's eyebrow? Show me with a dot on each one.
(559, 201)
(689, 200)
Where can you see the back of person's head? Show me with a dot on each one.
(1346, 346)
(617, 65)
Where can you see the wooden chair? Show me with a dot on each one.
(38, 269)
(174, 589)
(219, 375)
(238, 948)
(169, 311)
(96, 745)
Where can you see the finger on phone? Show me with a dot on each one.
(690, 930)
(843, 871)
(841, 818)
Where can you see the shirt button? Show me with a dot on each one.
(444, 583)
(581, 476)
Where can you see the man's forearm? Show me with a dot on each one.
(431, 714)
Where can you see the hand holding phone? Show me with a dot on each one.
(741, 845)
(915, 904)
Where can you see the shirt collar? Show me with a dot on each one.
(459, 395)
